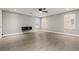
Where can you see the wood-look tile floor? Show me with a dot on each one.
(39, 41)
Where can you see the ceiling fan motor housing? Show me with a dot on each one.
(42, 9)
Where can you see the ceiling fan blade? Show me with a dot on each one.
(43, 10)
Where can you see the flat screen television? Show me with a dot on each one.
(26, 28)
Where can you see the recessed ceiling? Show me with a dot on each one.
(35, 12)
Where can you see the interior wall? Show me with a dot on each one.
(56, 23)
(0, 23)
(12, 22)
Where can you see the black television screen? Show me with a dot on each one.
(26, 28)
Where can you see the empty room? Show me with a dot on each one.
(39, 29)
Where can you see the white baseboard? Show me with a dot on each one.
(19, 33)
(42, 31)
(61, 33)
(11, 34)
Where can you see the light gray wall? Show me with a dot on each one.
(0, 23)
(12, 22)
(56, 23)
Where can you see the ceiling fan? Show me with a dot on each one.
(43, 10)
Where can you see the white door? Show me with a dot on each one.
(37, 24)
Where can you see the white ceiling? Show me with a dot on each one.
(35, 12)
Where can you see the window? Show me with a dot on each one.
(69, 21)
